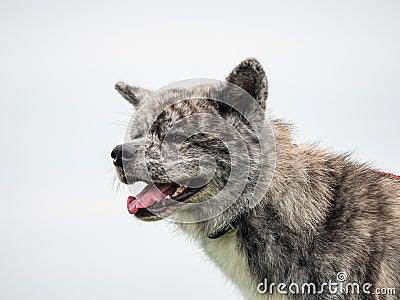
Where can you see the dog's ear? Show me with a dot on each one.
(131, 93)
(250, 76)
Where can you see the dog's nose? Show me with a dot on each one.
(116, 155)
(121, 153)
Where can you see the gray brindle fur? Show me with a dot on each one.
(323, 214)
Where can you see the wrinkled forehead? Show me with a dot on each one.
(167, 107)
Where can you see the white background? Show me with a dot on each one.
(65, 233)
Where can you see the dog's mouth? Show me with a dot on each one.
(158, 200)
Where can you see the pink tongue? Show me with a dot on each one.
(150, 195)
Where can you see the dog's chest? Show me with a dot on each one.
(226, 254)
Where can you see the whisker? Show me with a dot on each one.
(126, 111)
(130, 189)
(115, 185)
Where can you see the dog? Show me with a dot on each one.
(317, 218)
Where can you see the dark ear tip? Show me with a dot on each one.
(120, 86)
(251, 63)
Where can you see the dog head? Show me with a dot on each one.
(203, 150)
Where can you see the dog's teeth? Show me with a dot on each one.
(175, 194)
(180, 189)
(168, 197)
